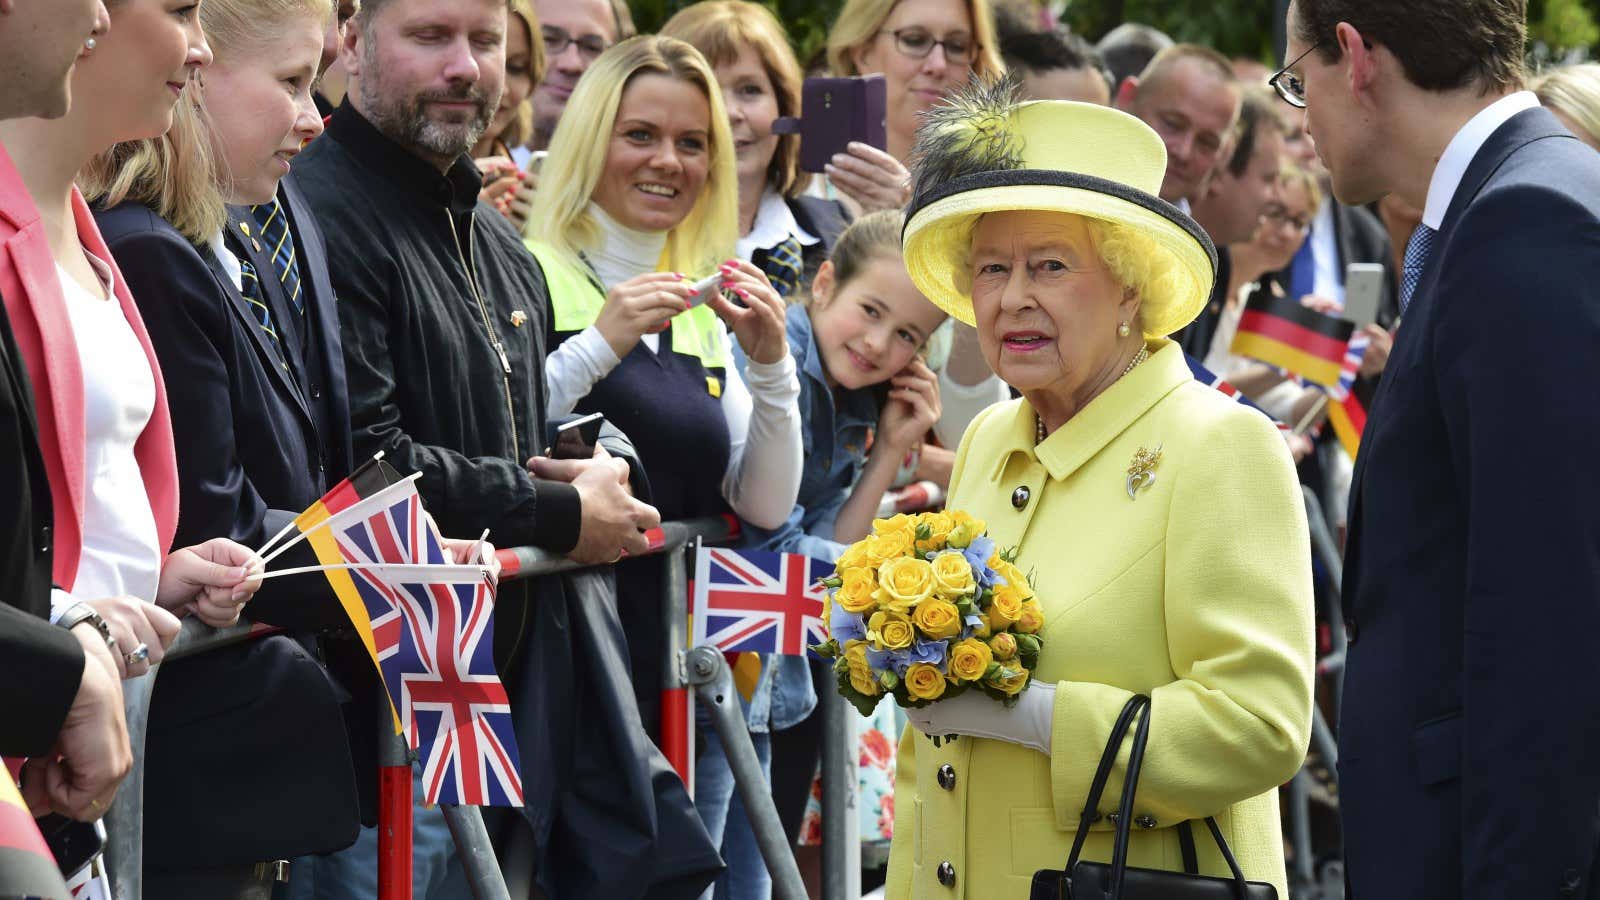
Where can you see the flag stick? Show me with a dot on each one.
(1312, 414)
(337, 517)
(386, 567)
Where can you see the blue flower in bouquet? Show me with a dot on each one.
(889, 660)
(977, 554)
(930, 652)
(846, 626)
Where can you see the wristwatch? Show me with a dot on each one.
(79, 613)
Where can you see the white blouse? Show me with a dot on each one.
(764, 459)
(121, 550)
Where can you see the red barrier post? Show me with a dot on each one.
(394, 807)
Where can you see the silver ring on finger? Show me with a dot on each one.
(137, 655)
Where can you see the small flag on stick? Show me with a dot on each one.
(1281, 332)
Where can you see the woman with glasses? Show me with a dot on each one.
(924, 49)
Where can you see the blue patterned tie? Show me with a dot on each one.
(783, 265)
(275, 232)
(1417, 251)
(250, 287)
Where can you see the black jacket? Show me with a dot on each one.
(441, 307)
(34, 706)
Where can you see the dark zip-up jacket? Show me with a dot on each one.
(441, 308)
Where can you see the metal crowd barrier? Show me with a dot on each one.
(702, 668)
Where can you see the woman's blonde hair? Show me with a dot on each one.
(719, 29)
(1302, 178)
(179, 174)
(861, 20)
(520, 128)
(1573, 91)
(560, 217)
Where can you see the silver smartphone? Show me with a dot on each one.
(1363, 287)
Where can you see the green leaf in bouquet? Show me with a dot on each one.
(1009, 554)
(828, 649)
(923, 532)
(1027, 643)
(841, 666)
(889, 680)
(833, 583)
(966, 607)
(1028, 659)
(992, 671)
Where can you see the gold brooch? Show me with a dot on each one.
(1141, 473)
(517, 318)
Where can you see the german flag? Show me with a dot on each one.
(26, 867)
(1345, 412)
(1281, 332)
(367, 481)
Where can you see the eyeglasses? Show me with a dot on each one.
(557, 40)
(917, 43)
(1289, 85)
(1278, 216)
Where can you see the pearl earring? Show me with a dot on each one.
(1123, 330)
(89, 44)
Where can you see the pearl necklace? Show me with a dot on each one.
(1038, 422)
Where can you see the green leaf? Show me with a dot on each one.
(827, 649)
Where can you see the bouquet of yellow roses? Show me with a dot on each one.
(925, 607)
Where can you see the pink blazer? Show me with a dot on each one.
(38, 311)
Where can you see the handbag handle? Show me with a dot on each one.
(1102, 773)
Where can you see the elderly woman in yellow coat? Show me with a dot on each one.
(1162, 522)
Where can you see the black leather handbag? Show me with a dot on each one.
(1083, 880)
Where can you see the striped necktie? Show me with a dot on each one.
(275, 232)
(250, 287)
(1418, 249)
(783, 266)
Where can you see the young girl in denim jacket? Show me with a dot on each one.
(866, 400)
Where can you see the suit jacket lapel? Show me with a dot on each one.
(321, 321)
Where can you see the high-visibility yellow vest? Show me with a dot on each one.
(576, 299)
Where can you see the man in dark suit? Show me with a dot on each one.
(1472, 583)
(61, 700)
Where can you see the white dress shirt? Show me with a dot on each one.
(1464, 147)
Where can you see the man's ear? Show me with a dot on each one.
(1126, 92)
(1362, 58)
(350, 49)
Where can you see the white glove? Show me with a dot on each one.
(1029, 723)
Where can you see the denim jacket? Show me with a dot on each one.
(835, 437)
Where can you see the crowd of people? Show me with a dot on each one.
(248, 244)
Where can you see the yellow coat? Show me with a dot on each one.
(1198, 593)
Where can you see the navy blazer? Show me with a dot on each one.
(250, 458)
(1472, 581)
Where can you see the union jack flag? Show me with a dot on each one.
(1222, 386)
(756, 600)
(432, 625)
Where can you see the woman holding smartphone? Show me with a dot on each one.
(623, 229)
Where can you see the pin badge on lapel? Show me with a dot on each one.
(1142, 471)
(517, 318)
(253, 242)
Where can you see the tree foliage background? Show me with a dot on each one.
(1558, 29)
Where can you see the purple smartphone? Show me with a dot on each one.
(834, 112)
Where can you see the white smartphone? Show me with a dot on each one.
(1363, 287)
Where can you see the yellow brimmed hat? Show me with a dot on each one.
(982, 152)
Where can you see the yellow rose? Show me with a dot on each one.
(938, 619)
(854, 557)
(952, 575)
(939, 526)
(1004, 646)
(965, 529)
(924, 682)
(1014, 577)
(889, 631)
(1010, 679)
(1032, 618)
(861, 677)
(1006, 608)
(903, 583)
(882, 548)
(969, 660)
(855, 595)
